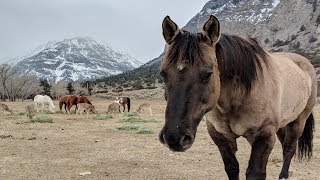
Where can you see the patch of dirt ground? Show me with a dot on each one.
(74, 147)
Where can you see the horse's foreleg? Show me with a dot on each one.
(65, 107)
(262, 144)
(227, 150)
(42, 107)
(68, 108)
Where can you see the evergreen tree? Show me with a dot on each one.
(46, 87)
(70, 88)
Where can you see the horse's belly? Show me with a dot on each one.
(291, 111)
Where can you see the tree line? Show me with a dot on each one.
(14, 87)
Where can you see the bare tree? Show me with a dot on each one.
(5, 73)
(14, 86)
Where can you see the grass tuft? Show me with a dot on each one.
(144, 130)
(130, 114)
(41, 120)
(135, 129)
(103, 116)
(135, 118)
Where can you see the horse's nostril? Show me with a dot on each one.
(186, 140)
(161, 137)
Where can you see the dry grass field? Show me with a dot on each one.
(119, 147)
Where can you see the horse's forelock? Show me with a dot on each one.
(186, 49)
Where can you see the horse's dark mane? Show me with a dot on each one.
(239, 60)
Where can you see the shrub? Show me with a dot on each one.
(118, 89)
(137, 86)
(302, 28)
(296, 45)
(266, 41)
(312, 39)
(318, 20)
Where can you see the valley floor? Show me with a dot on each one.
(74, 147)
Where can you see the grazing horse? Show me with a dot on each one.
(5, 107)
(40, 100)
(123, 101)
(114, 108)
(145, 108)
(74, 100)
(63, 100)
(85, 107)
(243, 90)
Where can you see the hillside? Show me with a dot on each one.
(277, 25)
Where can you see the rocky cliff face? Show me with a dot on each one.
(277, 25)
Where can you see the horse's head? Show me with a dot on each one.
(192, 83)
(52, 109)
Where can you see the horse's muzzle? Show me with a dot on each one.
(176, 142)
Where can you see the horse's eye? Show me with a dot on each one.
(205, 77)
(163, 74)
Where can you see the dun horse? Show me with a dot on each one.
(5, 107)
(114, 108)
(85, 107)
(145, 108)
(124, 101)
(30, 111)
(244, 90)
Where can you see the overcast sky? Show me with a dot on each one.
(132, 26)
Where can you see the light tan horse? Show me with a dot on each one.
(30, 111)
(85, 107)
(145, 108)
(244, 90)
(4, 107)
(114, 108)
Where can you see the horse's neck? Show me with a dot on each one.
(230, 99)
(49, 101)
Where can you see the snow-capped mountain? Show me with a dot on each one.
(76, 59)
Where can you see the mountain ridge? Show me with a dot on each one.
(76, 59)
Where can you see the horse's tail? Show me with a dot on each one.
(305, 141)
(128, 104)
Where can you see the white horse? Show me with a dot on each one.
(40, 100)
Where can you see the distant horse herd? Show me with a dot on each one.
(82, 104)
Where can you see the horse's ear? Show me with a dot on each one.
(211, 30)
(170, 30)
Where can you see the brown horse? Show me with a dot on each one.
(63, 100)
(123, 101)
(74, 100)
(243, 90)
